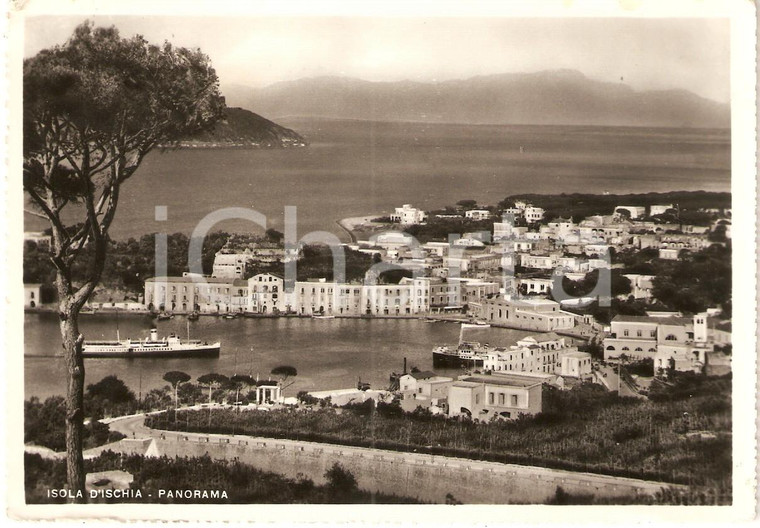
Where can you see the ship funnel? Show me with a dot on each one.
(153, 334)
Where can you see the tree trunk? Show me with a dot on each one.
(72, 347)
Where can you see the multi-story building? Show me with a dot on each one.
(266, 294)
(189, 293)
(540, 353)
(534, 214)
(478, 214)
(408, 215)
(497, 395)
(230, 265)
(546, 262)
(678, 342)
(632, 335)
(542, 315)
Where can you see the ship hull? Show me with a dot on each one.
(202, 351)
(441, 360)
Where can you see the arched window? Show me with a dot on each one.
(625, 349)
(610, 347)
(638, 349)
(671, 337)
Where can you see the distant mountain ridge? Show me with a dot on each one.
(556, 97)
(244, 129)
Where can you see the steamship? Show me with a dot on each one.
(466, 354)
(152, 346)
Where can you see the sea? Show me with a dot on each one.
(327, 353)
(356, 168)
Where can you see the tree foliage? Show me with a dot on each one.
(94, 107)
(175, 377)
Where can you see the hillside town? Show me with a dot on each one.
(505, 277)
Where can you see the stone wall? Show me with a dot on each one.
(426, 477)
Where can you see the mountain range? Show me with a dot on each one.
(556, 97)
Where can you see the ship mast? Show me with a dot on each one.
(188, 330)
(117, 327)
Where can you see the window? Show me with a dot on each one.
(653, 333)
(638, 333)
(501, 398)
(513, 399)
(477, 399)
(625, 333)
(490, 398)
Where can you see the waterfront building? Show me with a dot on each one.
(423, 389)
(530, 314)
(408, 215)
(266, 294)
(189, 293)
(474, 290)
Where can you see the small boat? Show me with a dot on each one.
(323, 316)
(229, 316)
(164, 316)
(193, 316)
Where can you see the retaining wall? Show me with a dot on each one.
(426, 477)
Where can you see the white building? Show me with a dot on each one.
(540, 353)
(575, 365)
(641, 285)
(659, 209)
(408, 215)
(230, 265)
(478, 214)
(31, 295)
(534, 214)
(542, 315)
(633, 211)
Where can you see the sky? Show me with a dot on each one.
(645, 53)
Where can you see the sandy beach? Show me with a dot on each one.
(359, 223)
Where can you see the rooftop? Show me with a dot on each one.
(422, 375)
(508, 380)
